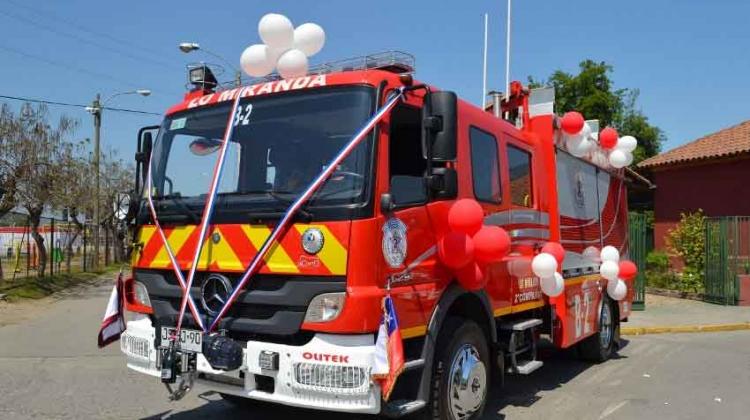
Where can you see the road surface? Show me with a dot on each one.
(50, 368)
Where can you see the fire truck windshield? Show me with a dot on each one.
(279, 145)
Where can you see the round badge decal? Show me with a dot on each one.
(394, 242)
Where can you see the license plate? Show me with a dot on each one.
(190, 340)
(135, 346)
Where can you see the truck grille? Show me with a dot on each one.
(272, 307)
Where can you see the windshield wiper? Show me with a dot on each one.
(180, 205)
(306, 215)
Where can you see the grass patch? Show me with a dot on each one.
(39, 287)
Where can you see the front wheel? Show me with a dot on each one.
(601, 346)
(461, 378)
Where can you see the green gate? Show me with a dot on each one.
(727, 255)
(638, 247)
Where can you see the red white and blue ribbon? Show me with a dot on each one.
(303, 198)
(208, 210)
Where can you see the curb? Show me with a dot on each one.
(684, 329)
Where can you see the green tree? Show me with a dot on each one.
(592, 93)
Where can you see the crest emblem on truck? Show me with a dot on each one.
(215, 292)
(394, 242)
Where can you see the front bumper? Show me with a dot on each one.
(330, 372)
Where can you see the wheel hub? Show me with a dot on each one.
(605, 334)
(468, 382)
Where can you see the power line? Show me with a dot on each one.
(58, 19)
(42, 101)
(75, 68)
(119, 51)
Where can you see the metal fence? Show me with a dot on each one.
(67, 247)
(727, 256)
(640, 242)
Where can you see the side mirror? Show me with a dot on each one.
(145, 153)
(444, 183)
(440, 126)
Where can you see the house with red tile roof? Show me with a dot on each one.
(711, 173)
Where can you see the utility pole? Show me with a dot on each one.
(97, 113)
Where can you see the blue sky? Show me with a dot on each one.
(688, 58)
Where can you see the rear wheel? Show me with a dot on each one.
(461, 377)
(600, 346)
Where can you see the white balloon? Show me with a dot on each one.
(276, 31)
(618, 158)
(258, 60)
(544, 265)
(610, 253)
(609, 270)
(552, 286)
(579, 147)
(585, 131)
(628, 158)
(627, 143)
(309, 38)
(619, 290)
(292, 63)
(592, 254)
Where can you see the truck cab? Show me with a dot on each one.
(307, 321)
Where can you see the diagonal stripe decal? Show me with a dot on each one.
(177, 238)
(277, 259)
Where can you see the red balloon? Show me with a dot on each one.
(628, 270)
(556, 250)
(456, 250)
(608, 138)
(491, 244)
(466, 216)
(572, 122)
(471, 277)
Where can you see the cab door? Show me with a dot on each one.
(407, 231)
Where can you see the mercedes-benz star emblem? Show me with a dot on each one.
(215, 292)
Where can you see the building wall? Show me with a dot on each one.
(720, 188)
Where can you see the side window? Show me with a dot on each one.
(485, 168)
(520, 177)
(407, 165)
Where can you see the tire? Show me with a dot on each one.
(601, 346)
(461, 345)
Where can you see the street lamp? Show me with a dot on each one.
(188, 47)
(96, 110)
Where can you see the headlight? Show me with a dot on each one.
(136, 297)
(141, 294)
(325, 307)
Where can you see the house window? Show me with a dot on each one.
(485, 168)
(520, 177)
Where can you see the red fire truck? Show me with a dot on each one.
(307, 321)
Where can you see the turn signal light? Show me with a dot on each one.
(136, 297)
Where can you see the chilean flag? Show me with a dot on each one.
(113, 323)
(389, 350)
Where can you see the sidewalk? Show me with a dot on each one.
(667, 315)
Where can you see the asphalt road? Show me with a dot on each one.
(50, 368)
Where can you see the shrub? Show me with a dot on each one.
(657, 261)
(688, 241)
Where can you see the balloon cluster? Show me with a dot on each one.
(615, 271)
(545, 265)
(285, 47)
(470, 245)
(579, 141)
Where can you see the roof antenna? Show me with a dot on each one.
(484, 65)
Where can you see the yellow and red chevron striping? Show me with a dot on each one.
(230, 247)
